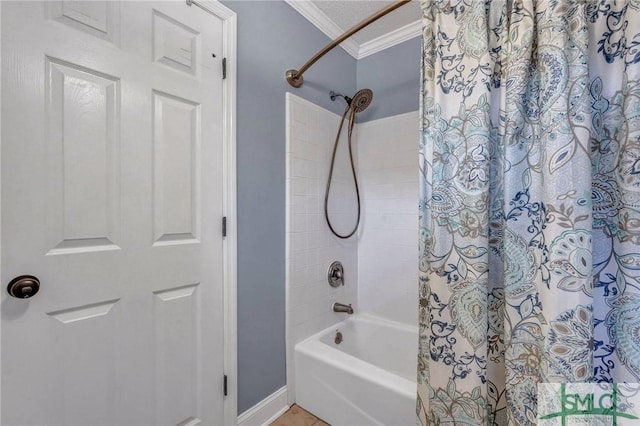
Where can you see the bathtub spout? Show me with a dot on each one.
(340, 307)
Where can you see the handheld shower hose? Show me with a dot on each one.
(360, 101)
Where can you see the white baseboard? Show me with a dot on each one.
(265, 411)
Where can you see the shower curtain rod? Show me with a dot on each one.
(294, 77)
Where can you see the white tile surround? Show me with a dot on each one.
(310, 246)
(381, 264)
(388, 236)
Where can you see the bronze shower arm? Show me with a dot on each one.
(294, 77)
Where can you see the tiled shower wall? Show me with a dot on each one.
(388, 236)
(311, 247)
(381, 263)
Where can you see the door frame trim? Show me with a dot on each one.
(229, 250)
(229, 47)
(3, 294)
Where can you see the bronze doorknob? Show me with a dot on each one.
(24, 286)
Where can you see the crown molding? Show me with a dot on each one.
(322, 22)
(390, 39)
(325, 24)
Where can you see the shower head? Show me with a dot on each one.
(360, 100)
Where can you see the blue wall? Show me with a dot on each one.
(272, 37)
(394, 76)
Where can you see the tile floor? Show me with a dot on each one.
(296, 416)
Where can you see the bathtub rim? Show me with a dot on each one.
(315, 348)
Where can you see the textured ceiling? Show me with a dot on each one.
(347, 13)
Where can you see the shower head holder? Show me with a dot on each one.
(333, 95)
(362, 99)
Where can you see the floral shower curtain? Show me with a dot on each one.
(530, 203)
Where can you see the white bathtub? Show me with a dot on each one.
(368, 379)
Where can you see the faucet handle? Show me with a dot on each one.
(335, 274)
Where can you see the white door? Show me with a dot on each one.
(112, 197)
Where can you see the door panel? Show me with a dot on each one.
(175, 44)
(98, 18)
(176, 149)
(176, 330)
(83, 123)
(112, 196)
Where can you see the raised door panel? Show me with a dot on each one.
(87, 353)
(83, 121)
(175, 44)
(177, 314)
(176, 174)
(98, 18)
